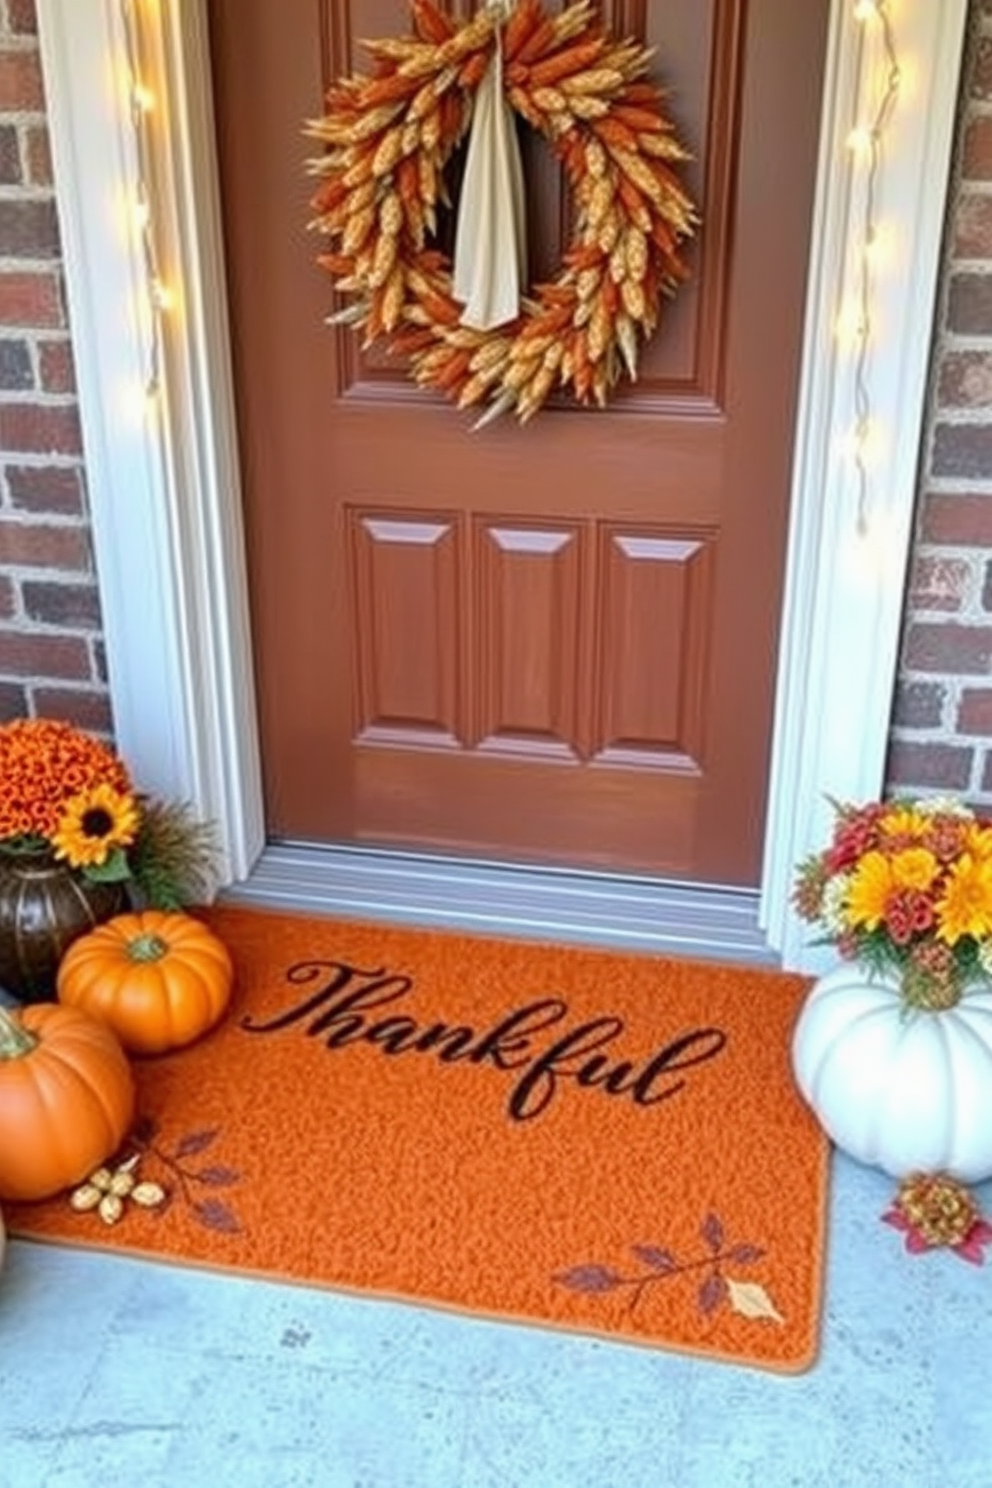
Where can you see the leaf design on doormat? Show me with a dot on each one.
(748, 1299)
(751, 1300)
(209, 1210)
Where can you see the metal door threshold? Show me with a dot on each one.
(525, 902)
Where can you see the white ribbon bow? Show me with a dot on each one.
(490, 262)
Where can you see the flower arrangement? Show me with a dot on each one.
(906, 886)
(70, 794)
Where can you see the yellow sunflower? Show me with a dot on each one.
(93, 824)
(965, 907)
(871, 884)
(903, 822)
(978, 841)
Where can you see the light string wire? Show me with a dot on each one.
(140, 103)
(866, 12)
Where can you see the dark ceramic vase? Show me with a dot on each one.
(44, 906)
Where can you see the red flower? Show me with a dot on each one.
(937, 1211)
(855, 833)
(908, 912)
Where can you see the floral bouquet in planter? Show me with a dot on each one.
(78, 844)
(906, 886)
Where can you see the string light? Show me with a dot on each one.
(854, 324)
(142, 98)
(161, 298)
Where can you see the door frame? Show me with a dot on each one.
(163, 473)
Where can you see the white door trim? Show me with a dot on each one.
(163, 479)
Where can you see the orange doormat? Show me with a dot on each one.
(602, 1142)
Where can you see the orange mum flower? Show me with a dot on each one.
(44, 764)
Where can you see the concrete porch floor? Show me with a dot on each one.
(132, 1373)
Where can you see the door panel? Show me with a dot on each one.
(555, 643)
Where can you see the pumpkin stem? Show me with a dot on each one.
(15, 1041)
(928, 995)
(147, 947)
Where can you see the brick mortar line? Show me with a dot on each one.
(52, 576)
(68, 521)
(962, 343)
(949, 617)
(947, 420)
(29, 397)
(26, 191)
(52, 266)
(47, 573)
(29, 627)
(955, 485)
(32, 460)
(61, 578)
(957, 417)
(39, 630)
(954, 343)
(62, 684)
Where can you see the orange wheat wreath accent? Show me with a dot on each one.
(389, 137)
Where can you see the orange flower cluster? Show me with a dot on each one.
(45, 764)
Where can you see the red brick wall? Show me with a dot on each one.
(50, 644)
(942, 724)
(50, 641)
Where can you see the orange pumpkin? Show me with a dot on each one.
(159, 979)
(66, 1099)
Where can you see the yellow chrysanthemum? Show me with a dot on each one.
(871, 884)
(92, 824)
(965, 908)
(978, 842)
(916, 868)
(903, 821)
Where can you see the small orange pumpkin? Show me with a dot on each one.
(160, 979)
(66, 1099)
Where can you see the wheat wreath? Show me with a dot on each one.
(388, 137)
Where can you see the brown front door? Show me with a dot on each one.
(555, 643)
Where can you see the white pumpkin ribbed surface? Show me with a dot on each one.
(908, 1092)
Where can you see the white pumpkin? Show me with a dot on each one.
(904, 1091)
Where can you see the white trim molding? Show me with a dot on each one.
(163, 471)
(845, 580)
(164, 491)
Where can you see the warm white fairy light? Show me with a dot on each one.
(161, 298)
(860, 142)
(142, 98)
(854, 323)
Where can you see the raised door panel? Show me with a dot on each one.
(528, 658)
(654, 639)
(406, 628)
